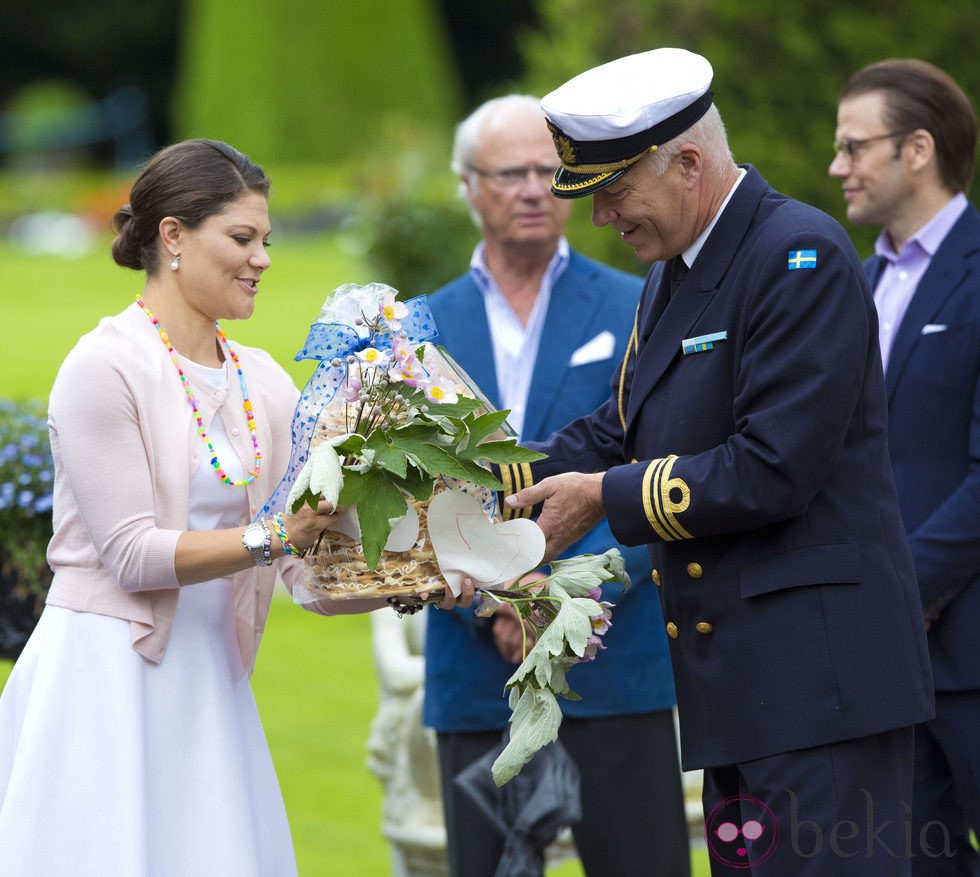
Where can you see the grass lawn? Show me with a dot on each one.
(49, 302)
(315, 681)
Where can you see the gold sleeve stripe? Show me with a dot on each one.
(526, 480)
(660, 509)
(648, 505)
(506, 512)
(506, 479)
(515, 477)
(622, 370)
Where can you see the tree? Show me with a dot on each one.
(314, 80)
(69, 45)
(777, 68)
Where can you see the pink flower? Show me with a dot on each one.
(405, 364)
(592, 646)
(602, 622)
(401, 348)
(409, 373)
(393, 311)
(351, 389)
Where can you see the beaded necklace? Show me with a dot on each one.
(193, 402)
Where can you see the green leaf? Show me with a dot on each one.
(433, 459)
(417, 484)
(350, 446)
(386, 454)
(413, 433)
(506, 451)
(381, 505)
(483, 425)
(353, 489)
(478, 475)
(463, 406)
(568, 633)
(534, 724)
(579, 575)
(308, 496)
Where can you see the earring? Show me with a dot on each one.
(175, 264)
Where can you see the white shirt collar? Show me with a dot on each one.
(691, 253)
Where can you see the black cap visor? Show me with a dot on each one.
(568, 184)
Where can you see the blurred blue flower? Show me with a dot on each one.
(26, 491)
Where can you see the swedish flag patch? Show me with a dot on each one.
(802, 259)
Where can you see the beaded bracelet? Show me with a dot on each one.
(280, 529)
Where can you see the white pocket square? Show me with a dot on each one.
(932, 328)
(600, 347)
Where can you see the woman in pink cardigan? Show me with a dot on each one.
(130, 743)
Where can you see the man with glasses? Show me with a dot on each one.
(541, 329)
(906, 136)
(744, 444)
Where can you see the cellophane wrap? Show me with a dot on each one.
(337, 568)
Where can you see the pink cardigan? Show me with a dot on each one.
(125, 444)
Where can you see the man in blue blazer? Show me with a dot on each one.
(906, 137)
(541, 329)
(744, 443)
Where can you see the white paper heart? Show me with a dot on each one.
(468, 544)
(403, 535)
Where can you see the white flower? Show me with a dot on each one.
(393, 311)
(347, 303)
(440, 390)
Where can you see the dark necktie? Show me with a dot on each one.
(678, 271)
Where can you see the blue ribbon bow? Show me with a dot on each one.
(327, 341)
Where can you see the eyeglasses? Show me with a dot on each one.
(852, 147)
(513, 177)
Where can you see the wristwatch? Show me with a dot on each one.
(258, 541)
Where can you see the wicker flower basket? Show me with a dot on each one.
(338, 569)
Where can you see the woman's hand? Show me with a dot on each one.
(449, 601)
(305, 527)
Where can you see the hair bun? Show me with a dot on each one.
(126, 250)
(123, 215)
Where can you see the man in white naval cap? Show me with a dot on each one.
(541, 329)
(744, 443)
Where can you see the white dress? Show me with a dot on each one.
(112, 766)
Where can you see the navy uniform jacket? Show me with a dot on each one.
(757, 471)
(933, 386)
(465, 674)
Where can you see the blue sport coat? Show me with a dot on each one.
(933, 385)
(755, 466)
(464, 672)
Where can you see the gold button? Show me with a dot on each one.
(655, 575)
(694, 570)
(671, 630)
(704, 627)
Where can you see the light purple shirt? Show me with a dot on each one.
(902, 271)
(515, 346)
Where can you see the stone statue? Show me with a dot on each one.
(402, 753)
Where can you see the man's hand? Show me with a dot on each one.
(507, 630)
(572, 507)
(507, 634)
